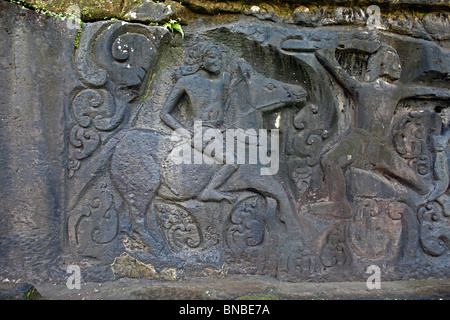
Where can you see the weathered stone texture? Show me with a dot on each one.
(347, 120)
(36, 80)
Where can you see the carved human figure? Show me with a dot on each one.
(143, 165)
(205, 86)
(375, 101)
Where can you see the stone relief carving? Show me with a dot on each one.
(434, 227)
(370, 136)
(363, 159)
(181, 231)
(113, 62)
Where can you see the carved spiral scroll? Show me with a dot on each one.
(99, 48)
(97, 107)
(434, 228)
(85, 140)
(180, 228)
(246, 229)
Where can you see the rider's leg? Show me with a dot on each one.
(248, 177)
(210, 192)
(391, 163)
(332, 164)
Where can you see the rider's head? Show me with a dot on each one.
(384, 63)
(204, 55)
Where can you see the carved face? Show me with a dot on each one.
(212, 61)
(391, 67)
(384, 63)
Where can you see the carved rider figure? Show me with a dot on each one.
(375, 101)
(205, 86)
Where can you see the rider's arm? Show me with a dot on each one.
(172, 100)
(326, 57)
(412, 91)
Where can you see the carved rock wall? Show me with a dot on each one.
(323, 149)
(36, 81)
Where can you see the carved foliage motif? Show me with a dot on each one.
(434, 221)
(104, 219)
(112, 62)
(334, 252)
(180, 228)
(94, 111)
(375, 230)
(308, 138)
(246, 230)
(94, 224)
(410, 141)
(174, 217)
(249, 244)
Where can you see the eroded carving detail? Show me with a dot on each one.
(246, 230)
(180, 229)
(435, 227)
(334, 252)
(361, 153)
(375, 230)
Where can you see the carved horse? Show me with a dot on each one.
(141, 166)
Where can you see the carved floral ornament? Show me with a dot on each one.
(113, 61)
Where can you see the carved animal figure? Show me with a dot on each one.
(141, 167)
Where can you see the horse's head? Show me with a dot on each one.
(266, 92)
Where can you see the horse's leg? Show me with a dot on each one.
(137, 176)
